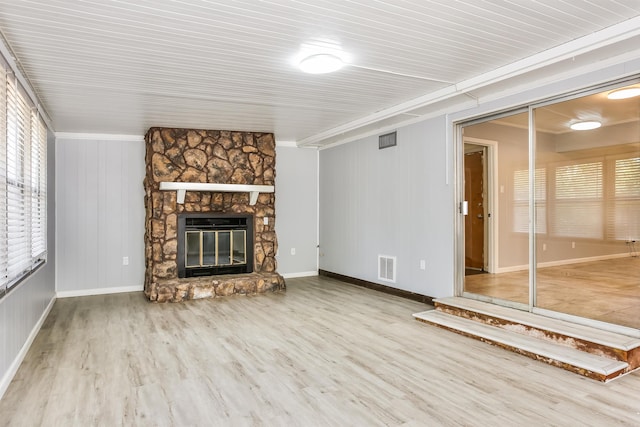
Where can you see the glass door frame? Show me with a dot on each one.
(459, 259)
(459, 223)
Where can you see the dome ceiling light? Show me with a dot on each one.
(628, 92)
(321, 63)
(587, 125)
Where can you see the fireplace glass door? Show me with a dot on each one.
(215, 248)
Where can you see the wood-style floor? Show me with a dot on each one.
(607, 290)
(324, 353)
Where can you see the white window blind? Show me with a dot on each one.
(578, 204)
(521, 200)
(38, 188)
(4, 254)
(623, 220)
(22, 184)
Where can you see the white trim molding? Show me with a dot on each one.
(300, 274)
(98, 291)
(286, 144)
(99, 136)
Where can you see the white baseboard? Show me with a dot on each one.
(562, 262)
(98, 291)
(13, 369)
(511, 269)
(300, 274)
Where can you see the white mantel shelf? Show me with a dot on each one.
(183, 187)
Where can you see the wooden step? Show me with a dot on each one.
(597, 367)
(592, 340)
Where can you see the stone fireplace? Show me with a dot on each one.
(205, 241)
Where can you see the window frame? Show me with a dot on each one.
(23, 184)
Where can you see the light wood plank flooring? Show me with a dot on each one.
(324, 353)
(608, 290)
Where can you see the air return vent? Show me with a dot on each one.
(387, 140)
(387, 268)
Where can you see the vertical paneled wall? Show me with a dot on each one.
(297, 211)
(396, 202)
(100, 214)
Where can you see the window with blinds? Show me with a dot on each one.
(623, 219)
(578, 204)
(597, 198)
(23, 163)
(521, 200)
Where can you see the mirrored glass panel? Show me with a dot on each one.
(587, 261)
(224, 247)
(496, 189)
(208, 248)
(192, 244)
(239, 247)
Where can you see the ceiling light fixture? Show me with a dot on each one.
(321, 63)
(628, 92)
(588, 125)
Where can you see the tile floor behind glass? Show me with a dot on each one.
(608, 291)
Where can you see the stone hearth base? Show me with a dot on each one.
(175, 290)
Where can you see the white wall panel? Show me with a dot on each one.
(297, 210)
(100, 214)
(397, 202)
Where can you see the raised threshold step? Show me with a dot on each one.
(590, 365)
(586, 338)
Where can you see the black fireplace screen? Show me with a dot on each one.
(210, 244)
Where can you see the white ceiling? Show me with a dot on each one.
(121, 66)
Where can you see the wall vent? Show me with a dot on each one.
(387, 268)
(387, 140)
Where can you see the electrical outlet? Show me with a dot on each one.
(544, 246)
(266, 220)
(573, 245)
(293, 251)
(125, 260)
(423, 264)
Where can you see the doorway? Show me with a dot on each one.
(480, 236)
(475, 196)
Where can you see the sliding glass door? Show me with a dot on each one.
(565, 216)
(588, 152)
(504, 275)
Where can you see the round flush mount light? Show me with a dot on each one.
(588, 125)
(625, 93)
(321, 63)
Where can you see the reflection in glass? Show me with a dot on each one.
(506, 277)
(208, 248)
(224, 247)
(584, 263)
(586, 197)
(239, 247)
(192, 244)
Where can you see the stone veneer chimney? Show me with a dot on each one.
(224, 157)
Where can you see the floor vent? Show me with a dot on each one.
(387, 140)
(387, 268)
